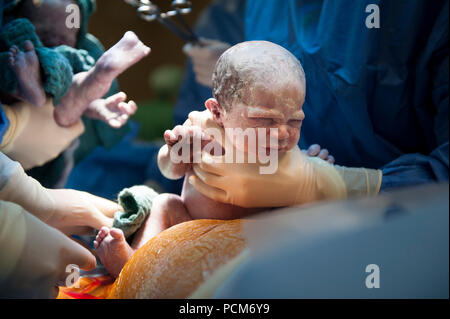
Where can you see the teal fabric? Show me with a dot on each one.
(137, 203)
(17, 31)
(79, 59)
(57, 71)
(87, 7)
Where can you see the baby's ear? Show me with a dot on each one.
(213, 106)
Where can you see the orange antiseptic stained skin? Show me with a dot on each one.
(175, 262)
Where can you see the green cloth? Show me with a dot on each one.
(137, 203)
(87, 7)
(56, 69)
(79, 59)
(57, 72)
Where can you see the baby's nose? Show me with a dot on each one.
(279, 135)
(282, 132)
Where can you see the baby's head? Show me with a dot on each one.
(258, 84)
(49, 18)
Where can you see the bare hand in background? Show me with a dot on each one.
(204, 58)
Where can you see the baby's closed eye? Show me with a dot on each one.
(295, 123)
(262, 121)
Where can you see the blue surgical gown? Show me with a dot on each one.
(4, 123)
(375, 97)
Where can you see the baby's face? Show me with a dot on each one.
(269, 107)
(49, 20)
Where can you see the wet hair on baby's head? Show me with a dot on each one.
(253, 63)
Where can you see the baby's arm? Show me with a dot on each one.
(185, 133)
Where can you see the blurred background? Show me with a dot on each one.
(153, 82)
(163, 85)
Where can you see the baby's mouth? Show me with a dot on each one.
(279, 146)
(272, 149)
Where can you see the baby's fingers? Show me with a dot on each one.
(114, 100)
(127, 108)
(187, 134)
(132, 107)
(170, 138)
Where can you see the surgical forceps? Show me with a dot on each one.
(150, 12)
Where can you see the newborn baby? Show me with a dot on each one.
(88, 88)
(256, 84)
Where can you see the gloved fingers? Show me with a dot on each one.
(105, 206)
(80, 256)
(324, 154)
(98, 220)
(209, 191)
(211, 164)
(331, 159)
(313, 150)
(208, 178)
(76, 208)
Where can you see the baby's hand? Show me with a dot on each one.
(315, 150)
(113, 110)
(186, 137)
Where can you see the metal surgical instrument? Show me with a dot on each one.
(150, 12)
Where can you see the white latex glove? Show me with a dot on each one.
(33, 138)
(34, 255)
(60, 208)
(204, 58)
(299, 179)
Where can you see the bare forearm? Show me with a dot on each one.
(168, 168)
